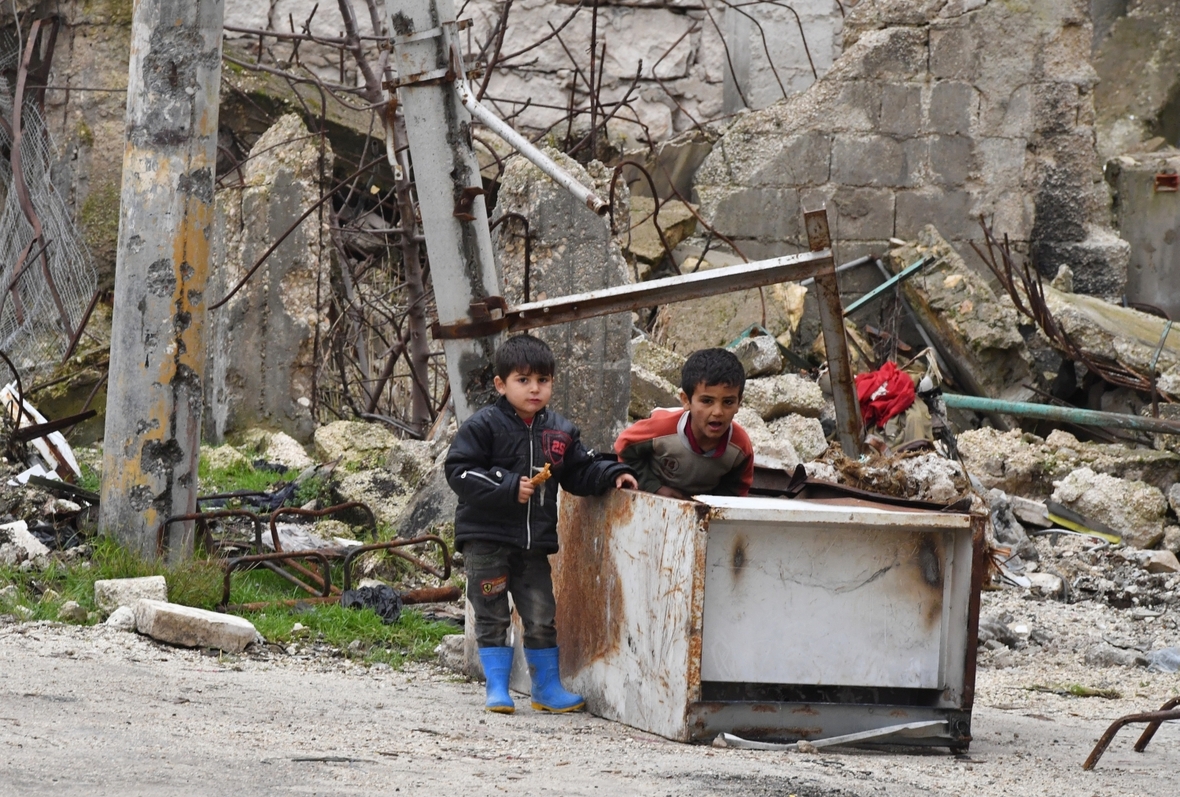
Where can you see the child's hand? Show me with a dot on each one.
(626, 480)
(526, 490)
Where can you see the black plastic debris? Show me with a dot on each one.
(382, 599)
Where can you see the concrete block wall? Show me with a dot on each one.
(937, 112)
(686, 71)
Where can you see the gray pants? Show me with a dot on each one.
(493, 571)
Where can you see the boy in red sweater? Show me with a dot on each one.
(697, 450)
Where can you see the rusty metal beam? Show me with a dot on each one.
(831, 316)
(624, 298)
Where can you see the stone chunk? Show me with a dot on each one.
(1160, 562)
(712, 321)
(806, 435)
(26, 546)
(358, 445)
(122, 619)
(776, 396)
(283, 449)
(1047, 584)
(771, 450)
(1107, 655)
(193, 628)
(759, 355)
(675, 218)
(111, 593)
(648, 391)
(71, 612)
(655, 358)
(1133, 508)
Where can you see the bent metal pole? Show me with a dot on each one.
(524, 147)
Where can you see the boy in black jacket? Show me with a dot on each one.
(500, 465)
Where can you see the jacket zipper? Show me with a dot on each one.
(528, 517)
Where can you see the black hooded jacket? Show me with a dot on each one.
(490, 454)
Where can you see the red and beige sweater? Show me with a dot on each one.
(662, 451)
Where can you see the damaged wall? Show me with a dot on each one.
(936, 113)
(573, 251)
(261, 369)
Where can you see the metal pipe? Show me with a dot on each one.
(535, 156)
(904, 274)
(840, 269)
(1063, 414)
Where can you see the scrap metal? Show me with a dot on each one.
(1073, 415)
(1168, 712)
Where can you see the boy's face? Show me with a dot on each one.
(527, 393)
(711, 410)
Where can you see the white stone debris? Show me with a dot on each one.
(110, 594)
(193, 628)
(122, 619)
(1132, 508)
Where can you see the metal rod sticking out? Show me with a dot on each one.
(524, 147)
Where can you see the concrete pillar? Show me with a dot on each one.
(154, 403)
(449, 188)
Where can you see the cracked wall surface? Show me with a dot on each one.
(937, 112)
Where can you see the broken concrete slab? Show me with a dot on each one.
(193, 628)
(1020, 463)
(383, 490)
(776, 396)
(1160, 562)
(806, 435)
(282, 449)
(111, 593)
(649, 391)
(1133, 508)
(432, 505)
(656, 358)
(715, 321)
(935, 478)
(976, 330)
(771, 450)
(759, 355)
(676, 220)
(18, 545)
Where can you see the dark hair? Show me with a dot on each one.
(712, 367)
(525, 354)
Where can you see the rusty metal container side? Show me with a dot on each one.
(769, 618)
(628, 581)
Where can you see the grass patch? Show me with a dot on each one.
(199, 583)
(239, 476)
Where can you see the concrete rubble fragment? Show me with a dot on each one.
(759, 355)
(1132, 507)
(695, 324)
(110, 594)
(17, 545)
(805, 433)
(122, 619)
(649, 390)
(934, 477)
(190, 627)
(72, 612)
(771, 450)
(776, 396)
(676, 220)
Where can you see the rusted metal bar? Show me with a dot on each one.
(409, 598)
(279, 556)
(831, 315)
(631, 297)
(202, 518)
(317, 513)
(1153, 718)
(77, 337)
(28, 433)
(392, 546)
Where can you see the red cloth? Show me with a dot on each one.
(883, 394)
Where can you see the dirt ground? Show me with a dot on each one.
(97, 711)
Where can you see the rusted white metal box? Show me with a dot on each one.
(769, 618)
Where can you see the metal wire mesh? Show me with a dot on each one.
(32, 329)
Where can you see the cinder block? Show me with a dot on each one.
(869, 160)
(952, 159)
(863, 213)
(801, 160)
(110, 594)
(948, 210)
(953, 53)
(901, 52)
(901, 110)
(193, 628)
(952, 107)
(769, 214)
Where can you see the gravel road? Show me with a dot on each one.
(94, 711)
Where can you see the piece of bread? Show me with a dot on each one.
(541, 477)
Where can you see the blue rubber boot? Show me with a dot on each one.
(497, 668)
(548, 694)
